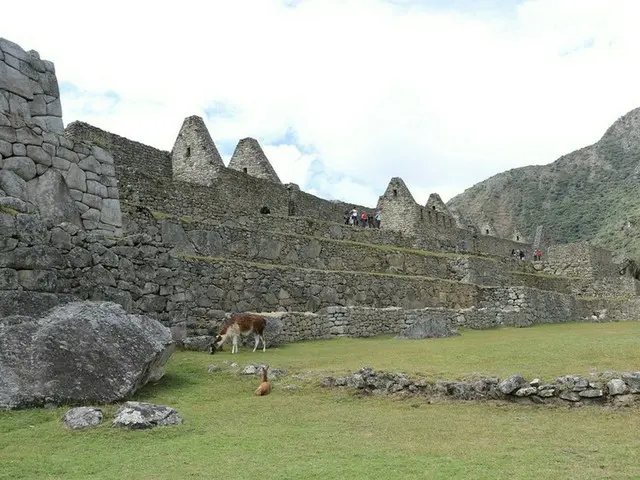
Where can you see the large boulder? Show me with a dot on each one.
(79, 352)
(429, 328)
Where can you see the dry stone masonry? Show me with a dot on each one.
(89, 215)
(610, 388)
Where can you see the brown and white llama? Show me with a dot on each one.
(241, 325)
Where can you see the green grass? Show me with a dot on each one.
(332, 434)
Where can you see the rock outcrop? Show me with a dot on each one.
(82, 417)
(80, 352)
(140, 415)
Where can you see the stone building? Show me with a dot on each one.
(87, 214)
(194, 157)
(249, 158)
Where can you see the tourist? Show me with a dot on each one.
(363, 219)
(539, 254)
(378, 219)
(354, 217)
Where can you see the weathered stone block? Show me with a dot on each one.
(96, 188)
(76, 178)
(61, 163)
(8, 279)
(8, 134)
(110, 213)
(13, 185)
(55, 203)
(617, 387)
(27, 136)
(92, 201)
(24, 167)
(6, 149)
(31, 229)
(15, 81)
(90, 164)
(38, 155)
(38, 280)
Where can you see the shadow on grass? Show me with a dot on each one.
(168, 384)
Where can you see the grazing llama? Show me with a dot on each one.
(265, 386)
(241, 325)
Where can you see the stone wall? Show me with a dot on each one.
(40, 169)
(28, 89)
(145, 176)
(607, 389)
(578, 260)
(149, 276)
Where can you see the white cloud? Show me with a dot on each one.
(440, 97)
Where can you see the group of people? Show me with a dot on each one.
(519, 255)
(354, 218)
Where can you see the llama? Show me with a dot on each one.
(265, 386)
(241, 325)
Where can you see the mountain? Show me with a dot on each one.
(591, 194)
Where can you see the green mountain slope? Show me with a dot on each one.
(591, 194)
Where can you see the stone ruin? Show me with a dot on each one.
(178, 236)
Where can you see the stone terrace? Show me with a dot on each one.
(88, 214)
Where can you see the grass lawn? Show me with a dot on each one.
(331, 434)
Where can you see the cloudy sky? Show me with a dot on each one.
(345, 94)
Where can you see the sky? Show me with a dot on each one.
(343, 95)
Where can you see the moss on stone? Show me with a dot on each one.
(8, 210)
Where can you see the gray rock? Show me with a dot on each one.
(38, 155)
(68, 155)
(511, 384)
(8, 134)
(19, 150)
(13, 185)
(174, 234)
(569, 396)
(207, 243)
(30, 304)
(90, 164)
(6, 149)
(8, 279)
(14, 203)
(249, 370)
(82, 417)
(81, 352)
(617, 387)
(55, 203)
(546, 391)
(60, 239)
(31, 229)
(140, 415)
(110, 213)
(526, 391)
(15, 81)
(212, 368)
(429, 328)
(27, 136)
(38, 280)
(76, 178)
(96, 188)
(591, 393)
(24, 167)
(197, 343)
(633, 381)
